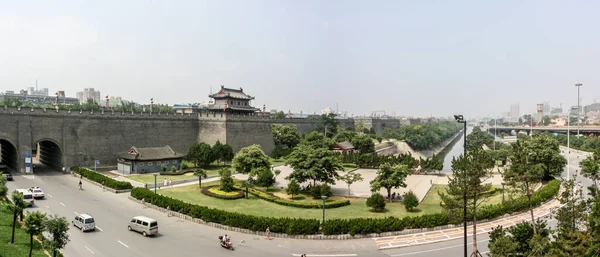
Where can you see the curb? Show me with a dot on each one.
(108, 189)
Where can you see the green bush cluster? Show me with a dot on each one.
(317, 191)
(170, 173)
(207, 191)
(289, 226)
(281, 201)
(373, 225)
(373, 161)
(106, 181)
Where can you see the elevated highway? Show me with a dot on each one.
(586, 130)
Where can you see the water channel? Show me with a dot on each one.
(454, 149)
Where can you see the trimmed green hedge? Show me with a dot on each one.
(206, 191)
(289, 226)
(97, 177)
(281, 201)
(171, 173)
(371, 225)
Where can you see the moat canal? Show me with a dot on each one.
(454, 149)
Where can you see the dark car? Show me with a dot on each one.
(8, 175)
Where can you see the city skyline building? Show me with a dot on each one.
(89, 93)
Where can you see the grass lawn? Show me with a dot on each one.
(432, 199)
(212, 170)
(258, 207)
(21, 246)
(349, 166)
(277, 161)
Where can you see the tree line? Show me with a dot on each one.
(89, 105)
(424, 136)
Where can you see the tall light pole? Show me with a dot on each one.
(324, 197)
(460, 119)
(155, 174)
(569, 141)
(578, 85)
(495, 132)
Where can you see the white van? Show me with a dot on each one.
(27, 196)
(85, 222)
(144, 225)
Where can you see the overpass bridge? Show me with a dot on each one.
(586, 130)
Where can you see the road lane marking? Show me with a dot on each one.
(47, 207)
(434, 250)
(76, 213)
(49, 195)
(89, 249)
(327, 255)
(123, 244)
(62, 204)
(99, 229)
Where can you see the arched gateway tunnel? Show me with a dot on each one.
(48, 153)
(8, 154)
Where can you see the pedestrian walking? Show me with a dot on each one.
(165, 183)
(143, 203)
(168, 211)
(268, 233)
(170, 183)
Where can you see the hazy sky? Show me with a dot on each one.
(416, 58)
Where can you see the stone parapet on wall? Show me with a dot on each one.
(93, 114)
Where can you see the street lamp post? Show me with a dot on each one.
(495, 132)
(155, 174)
(578, 85)
(503, 192)
(324, 197)
(461, 119)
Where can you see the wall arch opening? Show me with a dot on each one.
(9, 158)
(47, 153)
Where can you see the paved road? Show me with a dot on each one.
(112, 239)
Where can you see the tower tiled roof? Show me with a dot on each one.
(150, 153)
(231, 93)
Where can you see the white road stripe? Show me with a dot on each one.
(327, 255)
(49, 195)
(89, 249)
(76, 213)
(123, 244)
(433, 250)
(48, 207)
(99, 229)
(62, 204)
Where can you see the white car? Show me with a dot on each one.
(37, 193)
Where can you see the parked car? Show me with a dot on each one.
(37, 193)
(144, 225)
(85, 222)
(8, 175)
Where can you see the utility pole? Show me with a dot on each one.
(578, 85)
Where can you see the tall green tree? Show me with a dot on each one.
(359, 126)
(363, 143)
(350, 178)
(478, 138)
(317, 140)
(265, 177)
(327, 125)
(469, 174)
(344, 134)
(287, 136)
(200, 173)
(316, 164)
(3, 187)
(200, 154)
(590, 168)
(34, 223)
(226, 180)
(278, 115)
(435, 163)
(523, 174)
(58, 227)
(16, 206)
(570, 216)
(293, 188)
(217, 151)
(250, 159)
(389, 177)
(546, 154)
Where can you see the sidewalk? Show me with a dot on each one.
(457, 232)
(140, 184)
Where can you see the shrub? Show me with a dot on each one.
(289, 226)
(181, 172)
(163, 167)
(184, 165)
(97, 177)
(376, 202)
(226, 180)
(265, 177)
(410, 200)
(286, 202)
(293, 188)
(215, 192)
(318, 190)
(173, 169)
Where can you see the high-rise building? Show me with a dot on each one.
(547, 108)
(514, 112)
(89, 93)
(31, 91)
